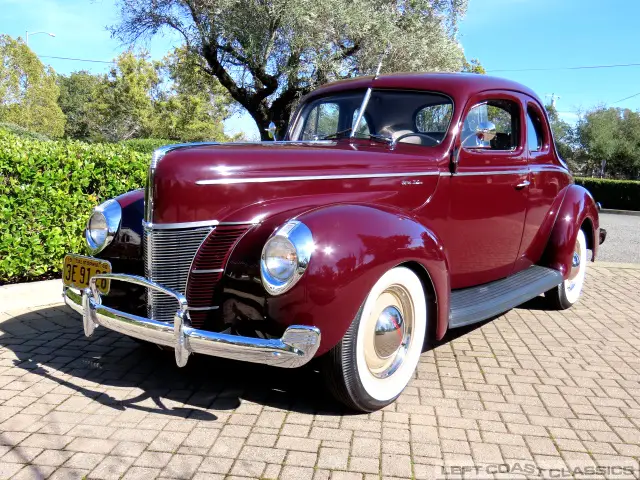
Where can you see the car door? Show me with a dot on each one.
(547, 178)
(488, 191)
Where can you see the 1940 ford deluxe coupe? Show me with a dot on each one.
(397, 207)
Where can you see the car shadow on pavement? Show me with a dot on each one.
(119, 373)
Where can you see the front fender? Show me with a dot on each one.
(127, 245)
(354, 246)
(578, 210)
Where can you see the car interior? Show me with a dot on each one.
(391, 114)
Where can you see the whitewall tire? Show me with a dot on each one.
(568, 292)
(378, 355)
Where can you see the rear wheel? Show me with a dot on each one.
(378, 355)
(568, 292)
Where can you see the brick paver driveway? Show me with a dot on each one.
(546, 394)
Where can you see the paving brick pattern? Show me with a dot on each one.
(542, 394)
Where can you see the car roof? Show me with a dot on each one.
(456, 85)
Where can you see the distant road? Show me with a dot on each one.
(623, 238)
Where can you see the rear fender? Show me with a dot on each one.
(578, 210)
(354, 246)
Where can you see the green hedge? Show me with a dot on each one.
(47, 190)
(614, 194)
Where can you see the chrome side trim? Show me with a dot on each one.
(298, 344)
(211, 270)
(548, 168)
(200, 309)
(484, 173)
(533, 168)
(231, 181)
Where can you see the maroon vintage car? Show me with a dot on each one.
(397, 207)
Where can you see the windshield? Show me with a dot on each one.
(391, 114)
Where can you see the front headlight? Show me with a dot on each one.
(285, 257)
(103, 225)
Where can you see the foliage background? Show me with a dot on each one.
(47, 190)
(28, 90)
(613, 194)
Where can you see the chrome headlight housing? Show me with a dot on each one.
(102, 226)
(285, 257)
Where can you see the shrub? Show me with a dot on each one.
(614, 194)
(47, 190)
(22, 132)
(146, 145)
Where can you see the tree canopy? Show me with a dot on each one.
(122, 105)
(170, 99)
(76, 93)
(608, 142)
(28, 90)
(193, 105)
(562, 133)
(268, 54)
(605, 142)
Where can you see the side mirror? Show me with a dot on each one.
(486, 131)
(271, 130)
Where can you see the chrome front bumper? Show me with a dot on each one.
(297, 346)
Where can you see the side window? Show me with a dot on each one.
(321, 121)
(503, 114)
(534, 131)
(434, 118)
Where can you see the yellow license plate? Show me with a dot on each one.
(78, 270)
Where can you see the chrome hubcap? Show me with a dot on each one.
(576, 260)
(388, 337)
(575, 266)
(389, 332)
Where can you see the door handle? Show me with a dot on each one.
(523, 184)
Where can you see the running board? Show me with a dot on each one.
(471, 305)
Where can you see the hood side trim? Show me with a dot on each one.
(231, 181)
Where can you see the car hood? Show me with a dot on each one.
(247, 182)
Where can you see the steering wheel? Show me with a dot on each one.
(412, 134)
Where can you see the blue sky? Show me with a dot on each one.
(503, 34)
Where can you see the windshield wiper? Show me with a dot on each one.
(380, 138)
(336, 135)
(373, 136)
(370, 136)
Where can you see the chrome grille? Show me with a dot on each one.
(167, 258)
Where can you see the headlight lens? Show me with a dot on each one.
(97, 228)
(280, 258)
(285, 257)
(103, 225)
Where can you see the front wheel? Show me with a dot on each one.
(378, 355)
(568, 292)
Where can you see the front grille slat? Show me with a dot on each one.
(168, 255)
(213, 254)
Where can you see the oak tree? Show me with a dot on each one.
(269, 53)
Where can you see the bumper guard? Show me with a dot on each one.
(603, 235)
(297, 346)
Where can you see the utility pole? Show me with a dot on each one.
(36, 33)
(553, 97)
